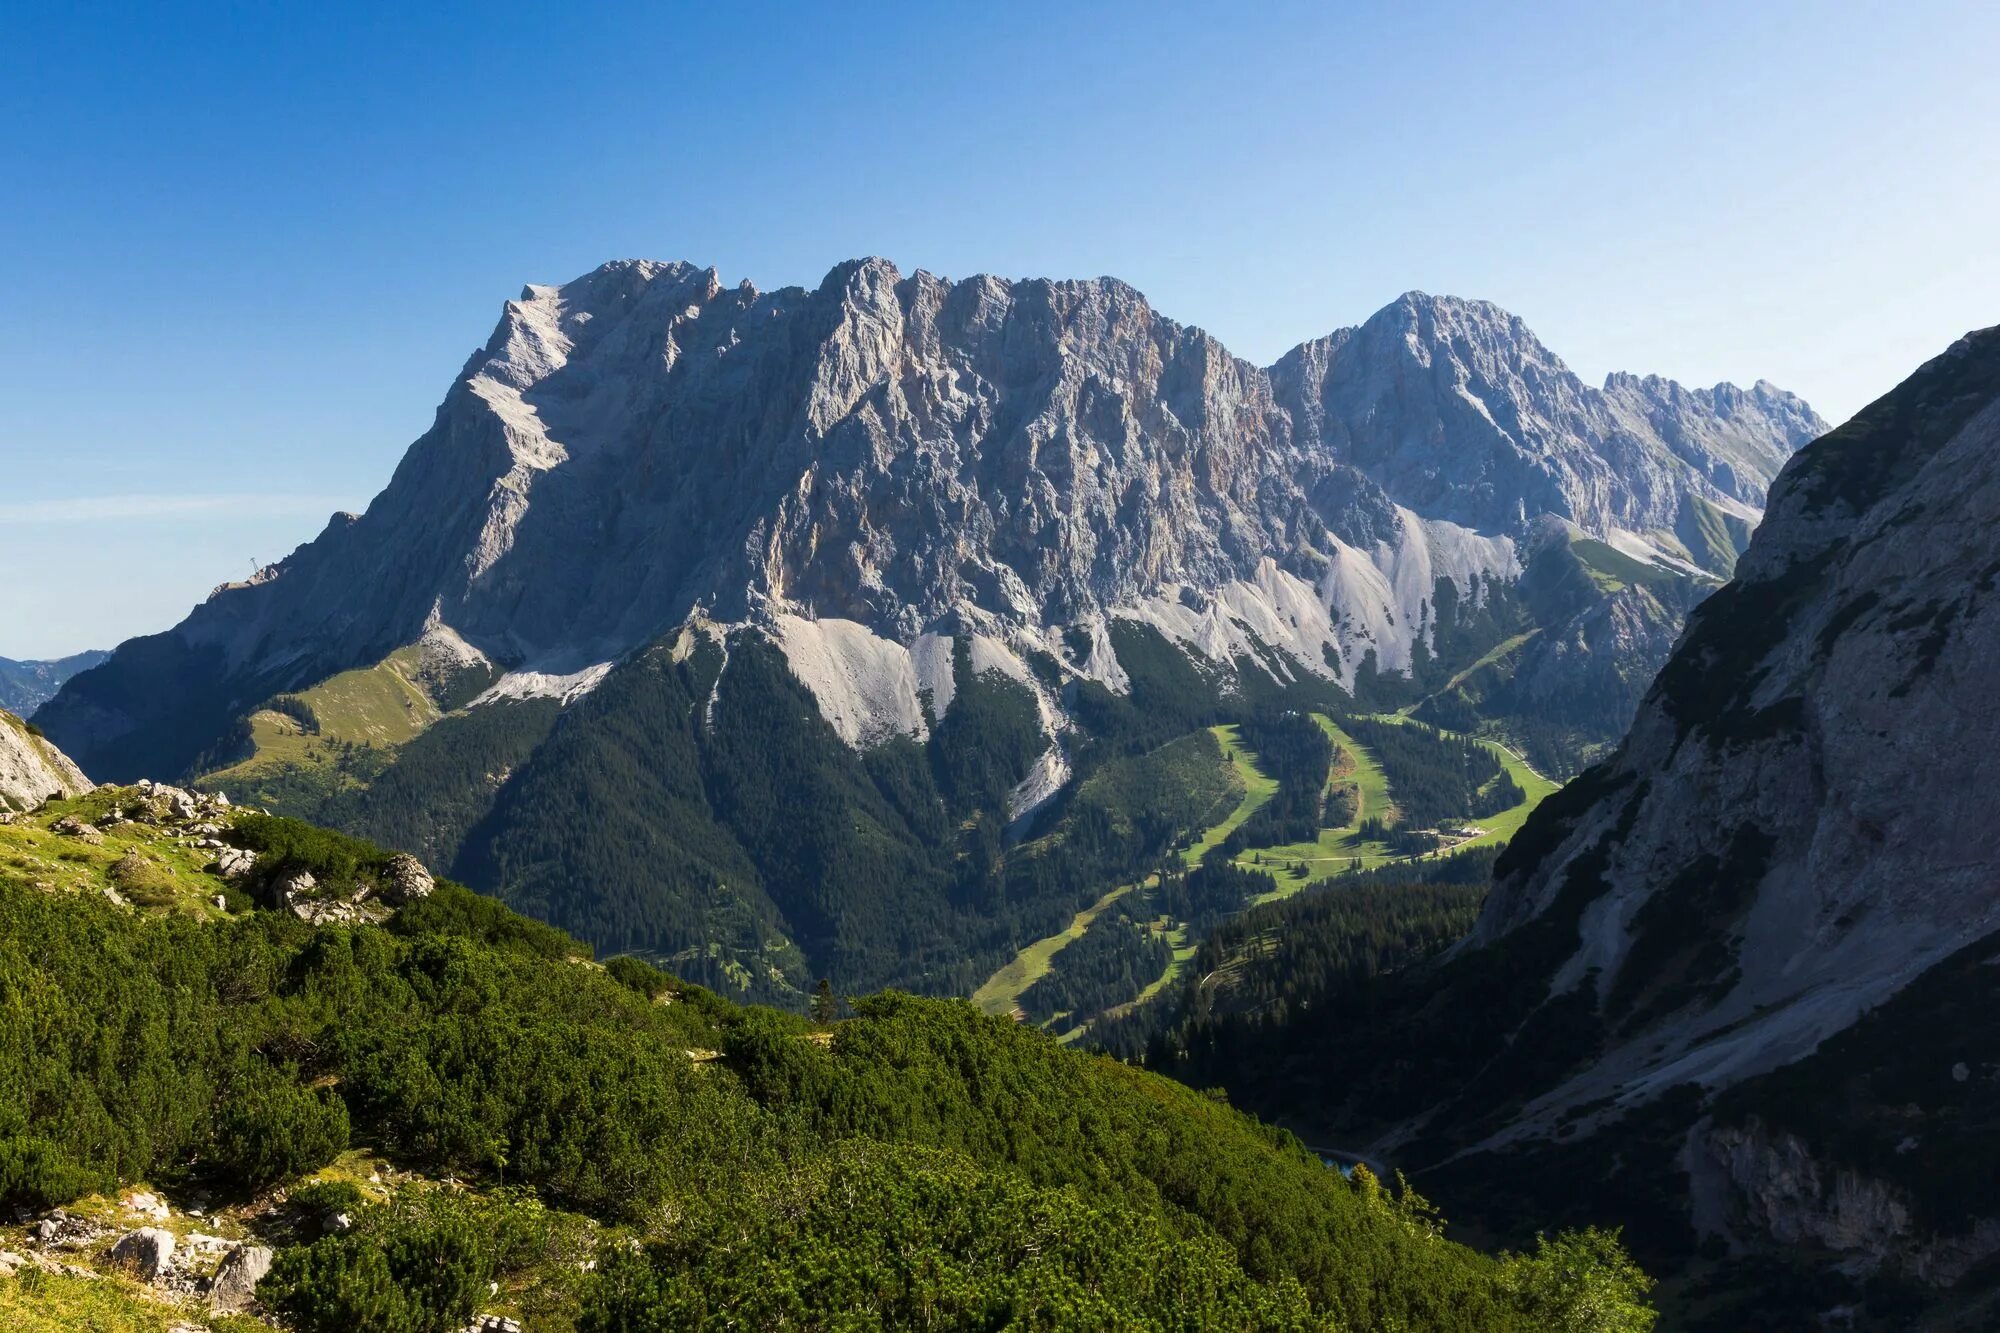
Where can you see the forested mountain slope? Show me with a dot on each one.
(253, 1066)
(899, 500)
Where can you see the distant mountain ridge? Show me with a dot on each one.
(866, 469)
(26, 686)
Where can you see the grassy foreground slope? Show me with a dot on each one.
(719, 1165)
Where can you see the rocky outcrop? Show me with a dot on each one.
(1794, 828)
(32, 770)
(889, 460)
(405, 880)
(1777, 1189)
(234, 1284)
(146, 1253)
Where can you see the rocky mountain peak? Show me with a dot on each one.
(909, 455)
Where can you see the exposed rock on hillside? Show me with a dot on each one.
(1735, 982)
(32, 770)
(1795, 826)
(865, 468)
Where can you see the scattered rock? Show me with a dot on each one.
(1960, 1072)
(295, 888)
(72, 827)
(235, 862)
(235, 1282)
(408, 880)
(493, 1323)
(63, 1229)
(10, 1263)
(142, 1201)
(147, 1252)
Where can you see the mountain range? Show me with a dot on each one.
(26, 686)
(893, 501)
(1731, 984)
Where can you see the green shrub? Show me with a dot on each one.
(322, 1200)
(37, 1174)
(1580, 1282)
(416, 1266)
(336, 1286)
(271, 1128)
(637, 974)
(876, 1237)
(286, 846)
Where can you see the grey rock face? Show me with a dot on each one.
(1809, 778)
(32, 769)
(918, 456)
(147, 1252)
(408, 880)
(1458, 411)
(234, 1285)
(235, 862)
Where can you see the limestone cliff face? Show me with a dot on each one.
(888, 458)
(32, 770)
(1799, 822)
(1457, 410)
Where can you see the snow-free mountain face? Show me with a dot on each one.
(1458, 411)
(1807, 775)
(1733, 986)
(869, 468)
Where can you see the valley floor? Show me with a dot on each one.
(1294, 866)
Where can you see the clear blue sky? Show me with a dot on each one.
(248, 246)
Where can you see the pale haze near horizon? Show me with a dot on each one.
(251, 254)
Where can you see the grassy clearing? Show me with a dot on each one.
(37, 1302)
(381, 706)
(1002, 990)
(1257, 789)
(1501, 827)
(143, 863)
(1337, 849)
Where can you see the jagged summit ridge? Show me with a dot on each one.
(907, 455)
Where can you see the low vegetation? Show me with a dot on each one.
(917, 1161)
